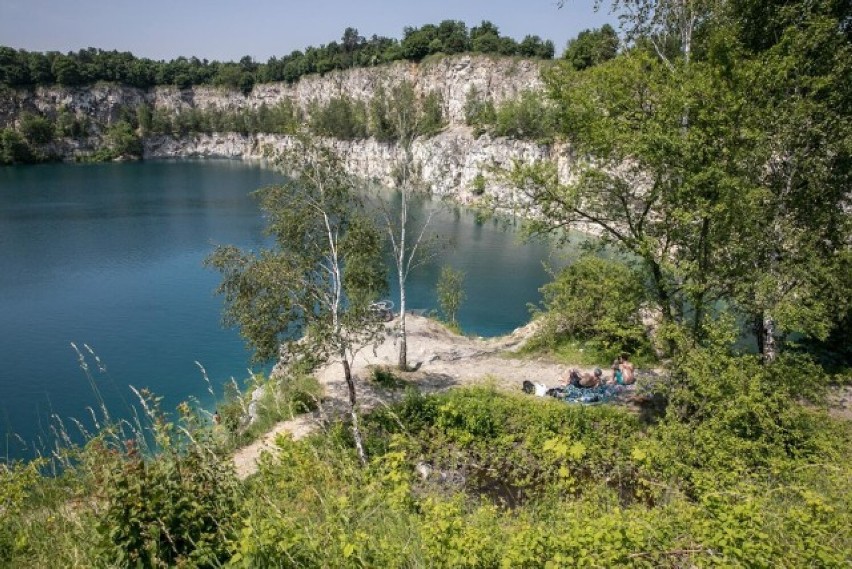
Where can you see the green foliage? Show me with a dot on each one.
(478, 185)
(70, 125)
(35, 128)
(283, 397)
(121, 142)
(17, 482)
(529, 117)
(175, 510)
(478, 113)
(13, 148)
(144, 117)
(592, 47)
(384, 376)
(402, 115)
(20, 68)
(451, 293)
(704, 165)
(341, 118)
(283, 293)
(469, 478)
(432, 114)
(585, 486)
(595, 299)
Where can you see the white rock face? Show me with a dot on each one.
(448, 163)
(493, 78)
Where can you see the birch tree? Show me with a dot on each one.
(411, 245)
(308, 297)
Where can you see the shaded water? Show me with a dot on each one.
(110, 255)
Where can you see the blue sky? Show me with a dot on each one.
(228, 30)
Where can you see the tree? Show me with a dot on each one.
(36, 128)
(669, 26)
(451, 293)
(308, 298)
(402, 116)
(794, 257)
(714, 163)
(661, 189)
(592, 47)
(533, 46)
(595, 298)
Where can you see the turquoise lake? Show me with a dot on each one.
(110, 256)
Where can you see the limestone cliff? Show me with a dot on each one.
(448, 162)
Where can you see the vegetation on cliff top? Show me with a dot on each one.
(20, 68)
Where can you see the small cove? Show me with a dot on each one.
(110, 255)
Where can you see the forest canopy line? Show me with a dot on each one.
(21, 68)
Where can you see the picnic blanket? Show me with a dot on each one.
(589, 395)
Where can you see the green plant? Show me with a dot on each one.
(478, 185)
(530, 116)
(341, 117)
(478, 114)
(36, 129)
(282, 397)
(598, 300)
(385, 377)
(450, 293)
(175, 509)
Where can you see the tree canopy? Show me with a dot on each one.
(21, 68)
(717, 157)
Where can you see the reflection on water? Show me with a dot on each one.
(110, 255)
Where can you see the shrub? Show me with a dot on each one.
(451, 293)
(122, 140)
(13, 148)
(402, 115)
(175, 509)
(283, 397)
(594, 299)
(384, 376)
(36, 129)
(478, 114)
(431, 115)
(528, 117)
(341, 118)
(478, 185)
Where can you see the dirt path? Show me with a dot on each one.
(444, 360)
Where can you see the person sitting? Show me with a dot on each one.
(584, 379)
(628, 372)
(617, 375)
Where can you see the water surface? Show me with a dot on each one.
(110, 255)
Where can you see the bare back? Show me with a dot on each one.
(627, 372)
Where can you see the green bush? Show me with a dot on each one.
(174, 510)
(469, 478)
(384, 376)
(478, 185)
(527, 117)
(478, 114)
(402, 115)
(121, 141)
(583, 485)
(283, 397)
(13, 148)
(595, 301)
(36, 129)
(340, 118)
